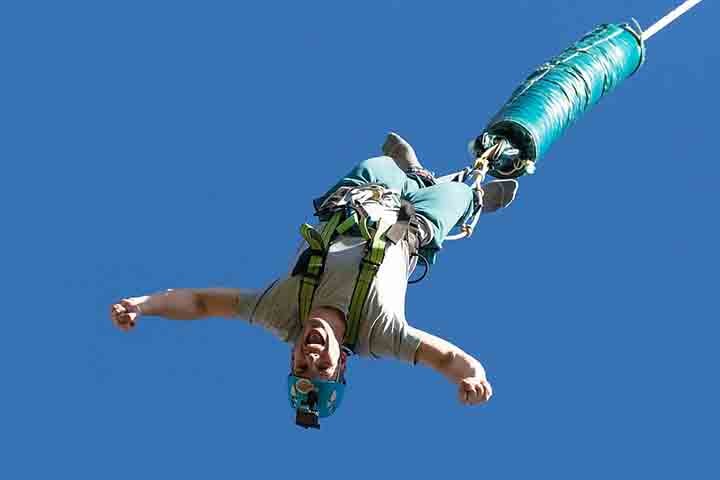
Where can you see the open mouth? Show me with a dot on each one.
(315, 338)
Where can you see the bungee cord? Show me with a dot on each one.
(552, 98)
(669, 18)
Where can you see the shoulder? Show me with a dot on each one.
(276, 310)
(391, 337)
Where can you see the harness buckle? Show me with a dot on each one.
(374, 266)
(303, 263)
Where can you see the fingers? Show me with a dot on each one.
(130, 305)
(466, 392)
(471, 392)
(476, 395)
(488, 390)
(463, 395)
(474, 391)
(122, 316)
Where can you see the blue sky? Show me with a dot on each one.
(151, 145)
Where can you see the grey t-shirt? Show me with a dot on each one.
(384, 331)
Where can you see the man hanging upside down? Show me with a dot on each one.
(345, 294)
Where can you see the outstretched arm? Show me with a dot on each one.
(457, 366)
(184, 304)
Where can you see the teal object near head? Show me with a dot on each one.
(314, 399)
(560, 91)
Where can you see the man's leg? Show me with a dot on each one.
(444, 205)
(378, 170)
(399, 169)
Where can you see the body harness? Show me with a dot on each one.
(344, 213)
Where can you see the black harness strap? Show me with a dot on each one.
(406, 227)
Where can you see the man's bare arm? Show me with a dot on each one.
(457, 366)
(183, 304)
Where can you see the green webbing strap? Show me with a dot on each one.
(328, 230)
(368, 270)
(349, 222)
(319, 244)
(364, 230)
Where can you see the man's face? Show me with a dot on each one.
(317, 354)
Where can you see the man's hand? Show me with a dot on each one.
(457, 366)
(125, 313)
(474, 390)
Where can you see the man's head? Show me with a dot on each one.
(317, 382)
(318, 352)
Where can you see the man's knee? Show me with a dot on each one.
(459, 192)
(378, 165)
(380, 170)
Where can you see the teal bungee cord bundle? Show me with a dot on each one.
(552, 98)
(560, 92)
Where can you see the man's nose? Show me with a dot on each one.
(313, 357)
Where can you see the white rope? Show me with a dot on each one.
(477, 175)
(669, 18)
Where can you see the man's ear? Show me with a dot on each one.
(342, 361)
